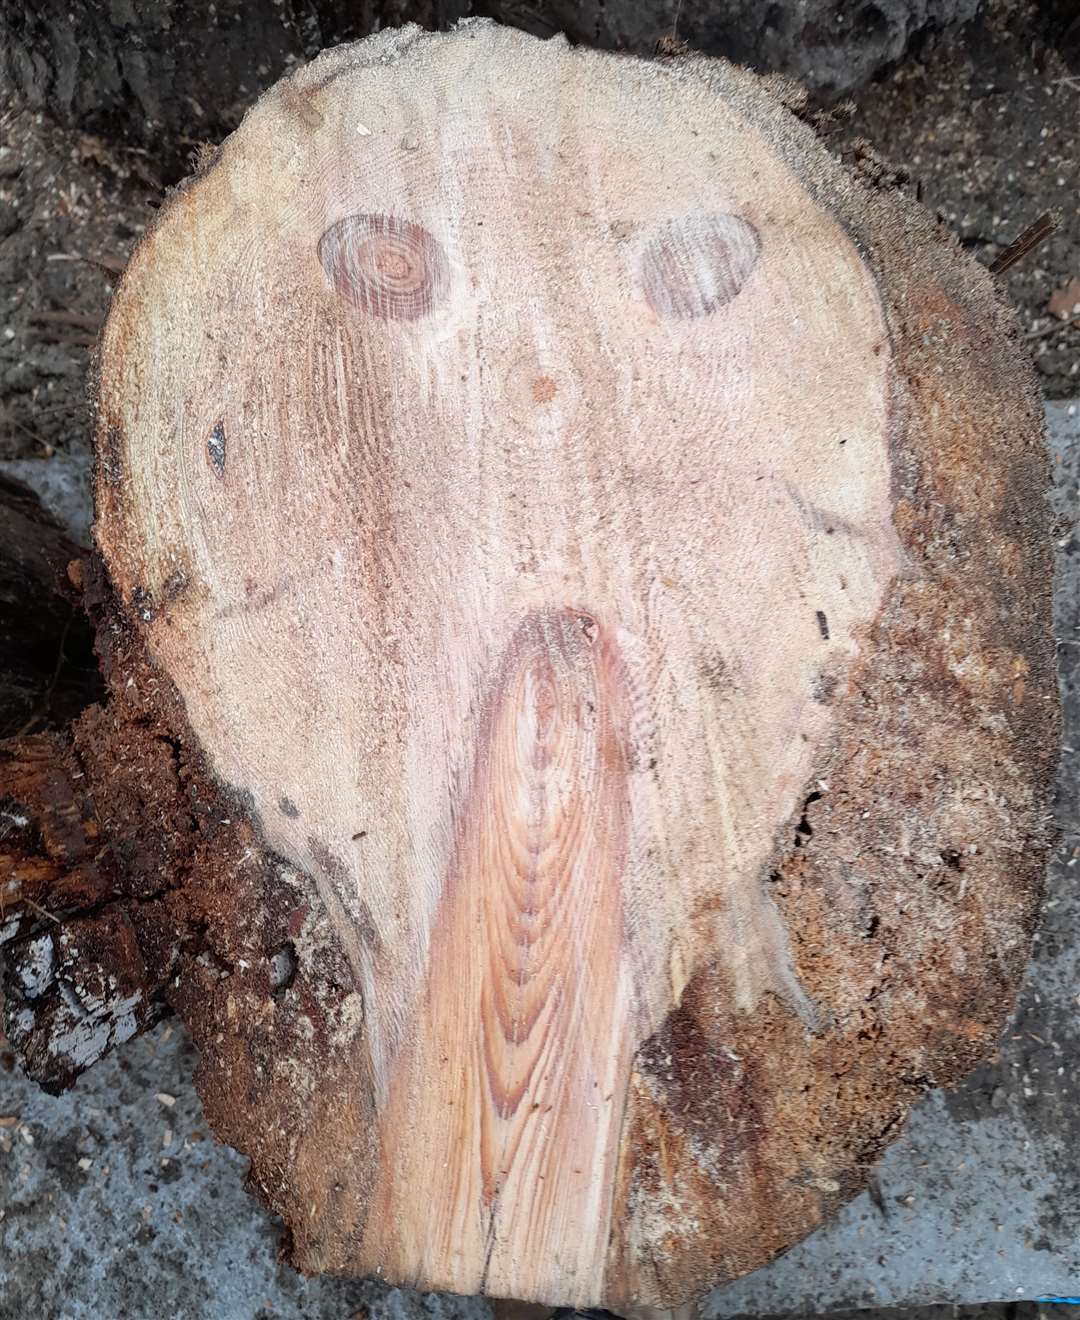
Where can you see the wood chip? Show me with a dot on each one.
(1027, 242)
(8, 1120)
(1064, 303)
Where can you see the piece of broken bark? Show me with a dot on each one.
(1064, 303)
(47, 669)
(582, 710)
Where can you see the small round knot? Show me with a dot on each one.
(387, 267)
(694, 265)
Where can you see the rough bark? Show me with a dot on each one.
(582, 710)
(172, 73)
(830, 46)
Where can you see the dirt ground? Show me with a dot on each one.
(984, 124)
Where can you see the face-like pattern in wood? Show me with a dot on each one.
(512, 504)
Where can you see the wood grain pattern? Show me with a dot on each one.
(523, 1042)
(508, 455)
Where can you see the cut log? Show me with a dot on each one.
(579, 644)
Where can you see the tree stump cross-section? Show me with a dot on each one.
(586, 553)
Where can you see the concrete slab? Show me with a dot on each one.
(114, 1203)
(117, 1205)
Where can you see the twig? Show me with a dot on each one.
(1028, 241)
(37, 438)
(111, 265)
(64, 335)
(1052, 328)
(38, 908)
(81, 319)
(675, 21)
(72, 405)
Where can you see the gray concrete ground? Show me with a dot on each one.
(116, 1204)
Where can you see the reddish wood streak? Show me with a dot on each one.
(524, 1028)
(546, 827)
(694, 265)
(387, 267)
